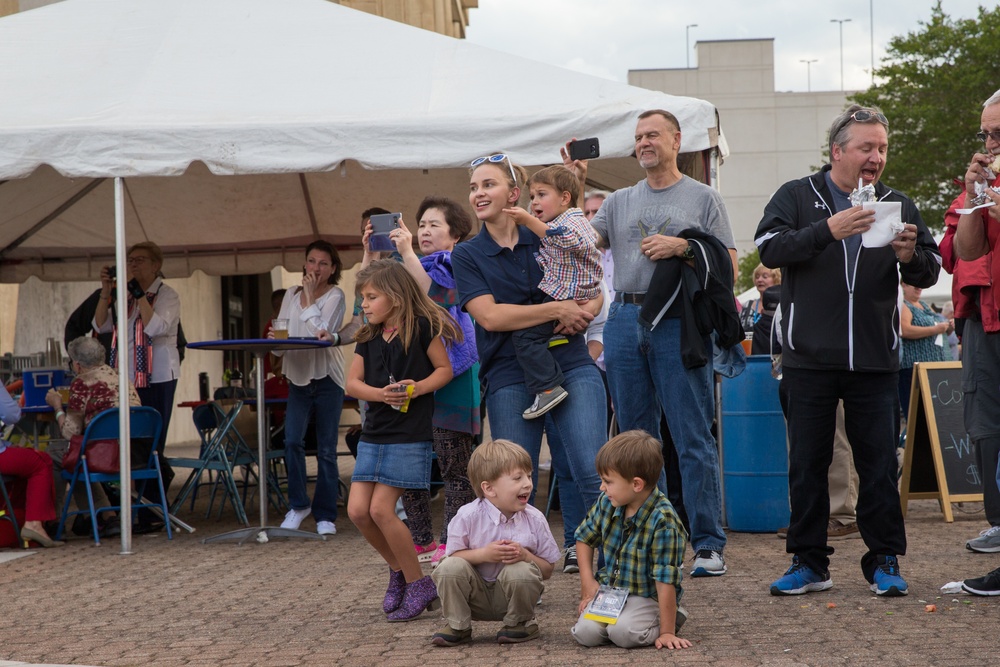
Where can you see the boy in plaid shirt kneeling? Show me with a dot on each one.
(643, 543)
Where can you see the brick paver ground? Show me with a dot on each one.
(293, 602)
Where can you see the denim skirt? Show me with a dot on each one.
(404, 466)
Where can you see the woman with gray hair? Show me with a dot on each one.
(94, 390)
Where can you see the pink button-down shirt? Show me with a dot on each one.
(479, 523)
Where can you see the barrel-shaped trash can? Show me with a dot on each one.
(754, 453)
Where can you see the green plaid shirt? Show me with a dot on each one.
(638, 551)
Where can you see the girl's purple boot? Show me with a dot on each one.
(394, 593)
(419, 596)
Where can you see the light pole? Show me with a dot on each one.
(809, 72)
(687, 42)
(841, 22)
(871, 22)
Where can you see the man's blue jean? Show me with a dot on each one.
(325, 399)
(580, 419)
(645, 373)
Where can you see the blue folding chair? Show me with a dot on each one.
(215, 427)
(7, 511)
(145, 424)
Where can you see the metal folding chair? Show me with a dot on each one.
(219, 452)
(145, 424)
(7, 511)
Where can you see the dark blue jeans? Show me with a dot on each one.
(323, 398)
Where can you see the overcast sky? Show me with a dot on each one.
(607, 38)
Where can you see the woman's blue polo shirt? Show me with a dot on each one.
(481, 267)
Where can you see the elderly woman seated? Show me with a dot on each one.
(94, 390)
(30, 468)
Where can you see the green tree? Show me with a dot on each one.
(931, 86)
(746, 264)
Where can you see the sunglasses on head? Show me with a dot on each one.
(983, 135)
(496, 159)
(866, 116)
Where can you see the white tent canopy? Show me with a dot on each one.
(276, 121)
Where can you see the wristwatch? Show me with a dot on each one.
(688, 253)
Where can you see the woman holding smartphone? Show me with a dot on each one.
(315, 387)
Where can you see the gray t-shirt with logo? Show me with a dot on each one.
(631, 214)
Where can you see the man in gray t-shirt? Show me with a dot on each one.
(645, 370)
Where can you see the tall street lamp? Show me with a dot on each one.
(871, 21)
(809, 72)
(841, 22)
(687, 42)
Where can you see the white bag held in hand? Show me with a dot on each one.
(888, 223)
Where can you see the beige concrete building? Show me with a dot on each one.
(773, 136)
(211, 307)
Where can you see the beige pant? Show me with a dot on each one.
(638, 625)
(843, 478)
(466, 596)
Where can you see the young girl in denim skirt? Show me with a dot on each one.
(399, 362)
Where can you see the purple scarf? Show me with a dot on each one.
(461, 355)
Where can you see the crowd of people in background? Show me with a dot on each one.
(570, 306)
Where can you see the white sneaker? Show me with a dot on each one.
(326, 528)
(294, 518)
(708, 563)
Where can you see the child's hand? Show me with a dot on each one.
(668, 640)
(496, 551)
(518, 215)
(394, 394)
(513, 552)
(588, 589)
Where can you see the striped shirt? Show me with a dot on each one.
(638, 551)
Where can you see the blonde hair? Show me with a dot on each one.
(775, 273)
(491, 460)
(408, 303)
(632, 454)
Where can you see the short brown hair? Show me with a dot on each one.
(458, 220)
(491, 460)
(632, 454)
(560, 178)
(662, 112)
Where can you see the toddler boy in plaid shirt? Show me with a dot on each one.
(572, 265)
(643, 543)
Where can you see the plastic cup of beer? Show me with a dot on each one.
(64, 394)
(280, 328)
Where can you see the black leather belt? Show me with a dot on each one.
(630, 297)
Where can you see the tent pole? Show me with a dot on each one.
(124, 450)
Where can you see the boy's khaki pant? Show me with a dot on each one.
(638, 625)
(466, 596)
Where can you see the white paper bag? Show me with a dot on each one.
(888, 223)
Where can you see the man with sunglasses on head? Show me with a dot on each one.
(840, 324)
(968, 250)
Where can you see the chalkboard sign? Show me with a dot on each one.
(940, 457)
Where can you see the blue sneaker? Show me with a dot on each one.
(800, 579)
(888, 582)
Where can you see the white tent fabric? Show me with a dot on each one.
(276, 121)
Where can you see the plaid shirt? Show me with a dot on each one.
(639, 551)
(570, 258)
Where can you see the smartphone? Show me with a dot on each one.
(382, 225)
(585, 149)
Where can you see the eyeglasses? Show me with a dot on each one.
(866, 115)
(983, 135)
(138, 259)
(496, 159)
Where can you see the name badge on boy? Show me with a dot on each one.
(607, 605)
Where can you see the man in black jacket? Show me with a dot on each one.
(839, 326)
